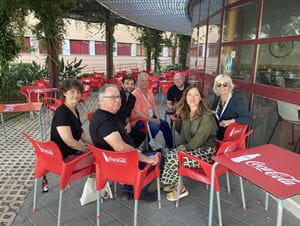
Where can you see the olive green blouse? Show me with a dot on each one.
(198, 132)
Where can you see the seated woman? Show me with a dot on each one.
(196, 138)
(66, 128)
(228, 108)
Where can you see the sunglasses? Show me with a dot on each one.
(222, 84)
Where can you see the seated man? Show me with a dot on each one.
(174, 95)
(127, 105)
(107, 131)
(145, 107)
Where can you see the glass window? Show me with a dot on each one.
(280, 18)
(228, 2)
(240, 22)
(195, 14)
(278, 64)
(194, 48)
(201, 46)
(215, 6)
(273, 124)
(213, 44)
(237, 61)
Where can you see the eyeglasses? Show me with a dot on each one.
(112, 97)
(222, 84)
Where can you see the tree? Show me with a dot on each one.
(50, 29)
(171, 41)
(184, 46)
(11, 23)
(152, 41)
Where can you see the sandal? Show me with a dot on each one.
(169, 187)
(171, 196)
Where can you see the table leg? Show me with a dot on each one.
(40, 124)
(279, 212)
(3, 127)
(266, 201)
(211, 196)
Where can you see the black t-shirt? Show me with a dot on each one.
(63, 116)
(104, 123)
(126, 106)
(174, 94)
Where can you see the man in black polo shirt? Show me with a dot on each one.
(124, 113)
(107, 131)
(174, 95)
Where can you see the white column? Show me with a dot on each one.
(92, 48)
(133, 49)
(66, 47)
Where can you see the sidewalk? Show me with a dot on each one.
(16, 180)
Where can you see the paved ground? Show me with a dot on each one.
(16, 179)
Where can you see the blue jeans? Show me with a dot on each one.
(154, 128)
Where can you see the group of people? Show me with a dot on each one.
(111, 128)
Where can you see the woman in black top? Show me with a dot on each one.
(66, 129)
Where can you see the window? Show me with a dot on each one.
(79, 47)
(100, 48)
(26, 45)
(140, 51)
(124, 49)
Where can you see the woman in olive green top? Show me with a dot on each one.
(196, 138)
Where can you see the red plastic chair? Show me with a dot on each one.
(98, 74)
(49, 159)
(41, 83)
(233, 133)
(165, 86)
(86, 93)
(51, 103)
(203, 174)
(96, 82)
(30, 95)
(115, 166)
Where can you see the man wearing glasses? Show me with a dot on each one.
(107, 131)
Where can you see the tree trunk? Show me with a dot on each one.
(148, 59)
(52, 61)
(174, 50)
(109, 39)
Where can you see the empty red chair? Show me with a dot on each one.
(51, 103)
(86, 93)
(30, 95)
(96, 82)
(123, 167)
(41, 83)
(86, 80)
(98, 74)
(48, 158)
(203, 174)
(164, 87)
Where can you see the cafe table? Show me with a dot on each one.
(272, 168)
(22, 107)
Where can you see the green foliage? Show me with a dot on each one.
(171, 68)
(152, 41)
(184, 46)
(16, 75)
(11, 29)
(70, 69)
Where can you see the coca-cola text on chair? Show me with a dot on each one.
(115, 166)
(48, 158)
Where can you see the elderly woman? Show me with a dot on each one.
(196, 138)
(228, 108)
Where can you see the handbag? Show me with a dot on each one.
(89, 193)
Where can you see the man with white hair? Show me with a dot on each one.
(145, 107)
(108, 132)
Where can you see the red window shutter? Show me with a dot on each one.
(124, 49)
(26, 47)
(79, 47)
(100, 48)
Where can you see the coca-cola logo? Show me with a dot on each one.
(235, 131)
(46, 151)
(9, 107)
(114, 160)
(281, 177)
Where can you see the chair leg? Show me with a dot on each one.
(135, 212)
(115, 189)
(59, 206)
(178, 190)
(34, 194)
(266, 201)
(158, 192)
(219, 208)
(98, 208)
(228, 183)
(242, 193)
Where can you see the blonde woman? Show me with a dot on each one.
(196, 138)
(228, 108)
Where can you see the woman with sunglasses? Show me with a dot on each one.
(196, 138)
(228, 108)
